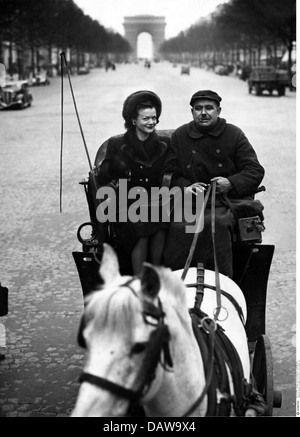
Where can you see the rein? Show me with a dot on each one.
(196, 235)
(208, 333)
(108, 385)
(213, 232)
(212, 189)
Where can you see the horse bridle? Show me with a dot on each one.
(158, 342)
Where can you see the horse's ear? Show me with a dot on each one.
(109, 270)
(150, 280)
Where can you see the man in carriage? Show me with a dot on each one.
(204, 151)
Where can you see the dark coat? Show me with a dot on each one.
(225, 151)
(138, 168)
(195, 156)
(142, 165)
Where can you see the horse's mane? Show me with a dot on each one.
(113, 306)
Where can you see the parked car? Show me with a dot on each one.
(40, 79)
(222, 70)
(83, 70)
(15, 95)
(185, 69)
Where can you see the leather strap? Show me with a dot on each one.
(108, 385)
(195, 239)
(213, 232)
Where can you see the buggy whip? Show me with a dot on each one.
(64, 63)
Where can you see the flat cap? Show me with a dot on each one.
(205, 94)
(138, 97)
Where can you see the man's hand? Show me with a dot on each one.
(223, 184)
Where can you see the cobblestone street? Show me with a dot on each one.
(39, 375)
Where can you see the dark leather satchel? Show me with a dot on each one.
(249, 217)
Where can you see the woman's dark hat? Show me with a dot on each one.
(138, 97)
(205, 94)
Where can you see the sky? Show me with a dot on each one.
(179, 14)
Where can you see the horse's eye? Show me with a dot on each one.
(137, 348)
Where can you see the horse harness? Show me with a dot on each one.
(216, 348)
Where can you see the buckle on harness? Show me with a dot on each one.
(217, 312)
(207, 324)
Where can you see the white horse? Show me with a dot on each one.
(142, 348)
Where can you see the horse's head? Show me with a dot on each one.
(133, 330)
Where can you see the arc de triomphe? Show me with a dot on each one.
(145, 23)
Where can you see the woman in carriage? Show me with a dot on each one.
(135, 160)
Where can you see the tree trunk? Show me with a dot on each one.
(1, 50)
(32, 61)
(49, 68)
(10, 58)
(20, 64)
(38, 60)
(290, 65)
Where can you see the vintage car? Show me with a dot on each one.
(15, 95)
(83, 70)
(185, 69)
(222, 70)
(40, 79)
